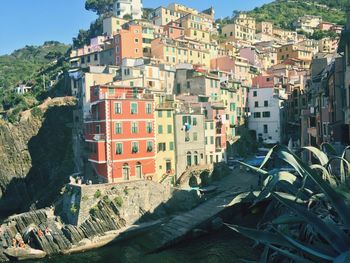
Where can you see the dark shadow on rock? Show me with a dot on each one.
(52, 163)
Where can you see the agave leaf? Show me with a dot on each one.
(325, 174)
(255, 169)
(265, 255)
(343, 174)
(287, 219)
(337, 201)
(337, 239)
(264, 237)
(309, 249)
(244, 197)
(267, 157)
(290, 255)
(272, 180)
(343, 258)
(328, 148)
(342, 169)
(321, 156)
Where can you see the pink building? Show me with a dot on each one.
(173, 30)
(325, 26)
(250, 53)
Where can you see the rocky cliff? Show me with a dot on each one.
(36, 156)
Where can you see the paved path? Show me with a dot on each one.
(174, 230)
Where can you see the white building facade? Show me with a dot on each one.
(128, 7)
(267, 113)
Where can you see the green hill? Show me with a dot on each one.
(22, 64)
(33, 66)
(284, 12)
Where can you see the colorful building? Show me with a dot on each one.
(165, 138)
(177, 51)
(121, 133)
(128, 43)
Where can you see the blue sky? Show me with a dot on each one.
(31, 22)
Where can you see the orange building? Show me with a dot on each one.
(128, 43)
(120, 133)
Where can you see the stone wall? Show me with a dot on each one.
(136, 199)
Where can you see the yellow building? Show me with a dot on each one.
(264, 27)
(328, 45)
(177, 51)
(165, 139)
(196, 27)
(293, 51)
(113, 25)
(285, 35)
(161, 16)
(242, 28)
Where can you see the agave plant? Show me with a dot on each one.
(307, 219)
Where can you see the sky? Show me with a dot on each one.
(32, 22)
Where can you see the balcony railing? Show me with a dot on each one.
(99, 137)
(166, 105)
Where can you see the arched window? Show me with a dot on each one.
(189, 159)
(195, 158)
(126, 171)
(138, 170)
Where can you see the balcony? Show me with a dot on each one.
(166, 105)
(125, 96)
(99, 137)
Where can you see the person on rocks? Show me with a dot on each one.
(14, 242)
(40, 233)
(48, 233)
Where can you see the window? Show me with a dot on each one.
(194, 121)
(266, 128)
(170, 129)
(266, 114)
(189, 159)
(171, 146)
(161, 147)
(95, 57)
(134, 127)
(149, 126)
(136, 40)
(211, 139)
(88, 59)
(160, 129)
(148, 108)
(266, 103)
(110, 91)
(160, 114)
(98, 129)
(212, 126)
(255, 93)
(186, 119)
(206, 140)
(168, 166)
(83, 60)
(133, 108)
(149, 146)
(118, 128)
(195, 136)
(256, 104)
(168, 114)
(119, 148)
(117, 108)
(134, 147)
(257, 115)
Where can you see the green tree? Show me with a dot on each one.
(100, 7)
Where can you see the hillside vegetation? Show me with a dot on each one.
(284, 13)
(34, 66)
